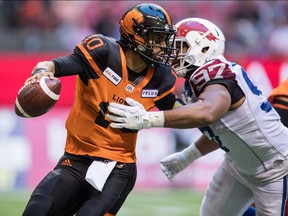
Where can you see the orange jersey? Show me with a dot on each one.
(281, 90)
(106, 80)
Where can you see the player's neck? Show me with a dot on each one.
(134, 62)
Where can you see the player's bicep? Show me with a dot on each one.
(217, 98)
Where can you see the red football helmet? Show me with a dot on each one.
(198, 41)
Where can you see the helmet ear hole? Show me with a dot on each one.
(204, 49)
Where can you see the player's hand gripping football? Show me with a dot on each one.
(132, 117)
(37, 77)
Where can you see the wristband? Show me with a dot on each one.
(192, 153)
(38, 70)
(156, 119)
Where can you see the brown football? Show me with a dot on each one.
(38, 98)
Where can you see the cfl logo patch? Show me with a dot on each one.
(129, 88)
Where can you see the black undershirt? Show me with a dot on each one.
(136, 78)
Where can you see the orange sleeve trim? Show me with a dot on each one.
(124, 65)
(280, 106)
(90, 60)
(282, 90)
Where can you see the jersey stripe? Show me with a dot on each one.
(90, 59)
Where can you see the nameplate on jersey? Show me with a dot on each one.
(112, 76)
(149, 93)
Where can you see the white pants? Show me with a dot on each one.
(230, 194)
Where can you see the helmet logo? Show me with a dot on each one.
(155, 17)
(166, 26)
(186, 27)
(141, 48)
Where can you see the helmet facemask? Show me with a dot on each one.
(184, 62)
(155, 39)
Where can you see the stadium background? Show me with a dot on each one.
(32, 31)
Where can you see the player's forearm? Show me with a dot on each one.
(189, 116)
(212, 104)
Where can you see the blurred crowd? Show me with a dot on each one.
(253, 28)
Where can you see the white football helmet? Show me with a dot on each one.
(198, 41)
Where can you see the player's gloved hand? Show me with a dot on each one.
(172, 164)
(133, 117)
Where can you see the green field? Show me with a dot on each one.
(139, 203)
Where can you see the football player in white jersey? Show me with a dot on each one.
(232, 115)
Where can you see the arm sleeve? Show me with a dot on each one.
(68, 65)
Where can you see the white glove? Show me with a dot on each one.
(175, 163)
(133, 117)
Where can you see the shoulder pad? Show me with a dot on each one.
(216, 69)
(97, 50)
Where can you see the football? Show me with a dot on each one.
(38, 98)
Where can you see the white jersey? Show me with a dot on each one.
(252, 135)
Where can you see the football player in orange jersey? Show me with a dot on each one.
(279, 99)
(98, 170)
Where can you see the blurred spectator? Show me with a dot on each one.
(278, 41)
(254, 28)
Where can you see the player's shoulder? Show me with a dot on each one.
(100, 49)
(99, 42)
(218, 68)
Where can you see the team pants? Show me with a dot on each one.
(230, 194)
(65, 192)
